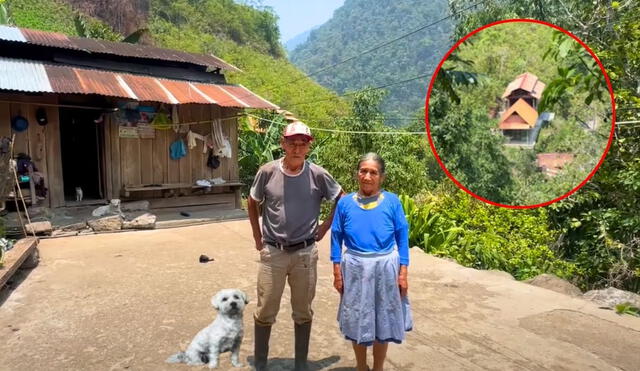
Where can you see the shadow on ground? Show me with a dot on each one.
(277, 364)
(13, 283)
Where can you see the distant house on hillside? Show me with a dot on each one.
(552, 163)
(519, 121)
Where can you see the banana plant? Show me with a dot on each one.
(427, 228)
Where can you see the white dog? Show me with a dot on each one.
(224, 334)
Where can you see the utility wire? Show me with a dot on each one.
(363, 90)
(374, 48)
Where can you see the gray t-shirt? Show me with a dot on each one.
(291, 203)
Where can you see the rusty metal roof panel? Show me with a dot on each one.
(521, 108)
(184, 93)
(528, 82)
(55, 39)
(23, 75)
(58, 40)
(63, 79)
(34, 76)
(252, 99)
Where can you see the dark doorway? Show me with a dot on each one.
(81, 139)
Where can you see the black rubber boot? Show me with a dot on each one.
(302, 334)
(261, 346)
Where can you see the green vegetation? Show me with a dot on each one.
(360, 24)
(599, 225)
(55, 16)
(484, 237)
(244, 37)
(592, 238)
(467, 138)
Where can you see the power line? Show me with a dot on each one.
(363, 90)
(379, 46)
(389, 42)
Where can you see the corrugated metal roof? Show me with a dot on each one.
(11, 34)
(22, 75)
(522, 109)
(58, 40)
(528, 82)
(33, 76)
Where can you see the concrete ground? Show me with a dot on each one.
(129, 300)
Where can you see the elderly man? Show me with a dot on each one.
(289, 191)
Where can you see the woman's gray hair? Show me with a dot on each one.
(371, 156)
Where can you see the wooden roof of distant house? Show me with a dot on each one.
(527, 115)
(552, 163)
(527, 82)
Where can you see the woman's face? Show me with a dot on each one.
(369, 177)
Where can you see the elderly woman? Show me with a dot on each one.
(371, 276)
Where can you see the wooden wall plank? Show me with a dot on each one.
(106, 158)
(198, 159)
(130, 160)
(146, 161)
(234, 173)
(21, 144)
(116, 166)
(173, 166)
(53, 150)
(185, 114)
(5, 120)
(160, 156)
(37, 149)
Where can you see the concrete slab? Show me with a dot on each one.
(129, 300)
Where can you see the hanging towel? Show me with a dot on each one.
(177, 150)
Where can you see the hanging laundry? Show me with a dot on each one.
(174, 118)
(177, 150)
(191, 139)
(221, 145)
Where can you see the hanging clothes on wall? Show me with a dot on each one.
(221, 145)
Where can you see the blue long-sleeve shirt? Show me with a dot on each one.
(375, 230)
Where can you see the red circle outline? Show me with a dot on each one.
(435, 152)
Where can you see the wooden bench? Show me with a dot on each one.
(172, 187)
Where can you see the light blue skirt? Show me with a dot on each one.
(371, 307)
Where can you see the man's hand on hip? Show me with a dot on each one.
(322, 230)
(259, 242)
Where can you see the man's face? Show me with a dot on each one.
(296, 146)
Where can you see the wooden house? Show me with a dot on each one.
(519, 120)
(108, 118)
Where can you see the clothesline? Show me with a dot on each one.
(346, 131)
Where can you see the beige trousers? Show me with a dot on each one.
(299, 268)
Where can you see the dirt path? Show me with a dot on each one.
(129, 300)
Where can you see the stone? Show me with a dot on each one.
(610, 297)
(499, 273)
(135, 206)
(109, 223)
(555, 283)
(144, 221)
(75, 226)
(39, 228)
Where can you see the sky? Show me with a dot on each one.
(297, 16)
